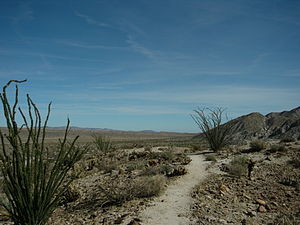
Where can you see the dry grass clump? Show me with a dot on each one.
(257, 145)
(120, 189)
(149, 186)
(238, 166)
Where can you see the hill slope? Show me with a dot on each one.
(272, 125)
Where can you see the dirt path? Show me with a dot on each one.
(173, 207)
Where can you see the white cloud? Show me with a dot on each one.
(90, 20)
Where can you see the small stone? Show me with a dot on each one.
(119, 220)
(93, 215)
(261, 202)
(252, 213)
(262, 209)
(133, 222)
(246, 196)
(221, 221)
(121, 171)
(223, 188)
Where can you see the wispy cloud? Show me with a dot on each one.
(25, 13)
(4, 51)
(141, 49)
(90, 20)
(89, 46)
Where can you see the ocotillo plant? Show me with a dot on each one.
(33, 184)
(210, 123)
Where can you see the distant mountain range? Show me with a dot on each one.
(252, 126)
(273, 125)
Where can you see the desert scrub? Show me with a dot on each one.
(238, 166)
(136, 165)
(146, 186)
(103, 144)
(257, 145)
(33, 182)
(210, 123)
(118, 190)
(288, 220)
(211, 158)
(277, 148)
(287, 139)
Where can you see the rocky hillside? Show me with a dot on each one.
(273, 125)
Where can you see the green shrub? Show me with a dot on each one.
(257, 145)
(33, 181)
(238, 166)
(102, 143)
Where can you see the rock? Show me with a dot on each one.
(135, 221)
(121, 171)
(261, 209)
(260, 201)
(246, 196)
(119, 220)
(223, 188)
(221, 221)
(152, 162)
(252, 213)
(178, 171)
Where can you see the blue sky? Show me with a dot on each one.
(146, 65)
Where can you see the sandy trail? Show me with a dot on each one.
(173, 207)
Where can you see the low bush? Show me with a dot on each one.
(257, 145)
(136, 165)
(295, 162)
(107, 165)
(120, 190)
(277, 148)
(287, 139)
(149, 186)
(210, 158)
(238, 166)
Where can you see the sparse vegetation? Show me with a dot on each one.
(33, 182)
(119, 190)
(210, 123)
(277, 148)
(257, 145)
(287, 139)
(238, 166)
(211, 158)
(103, 144)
